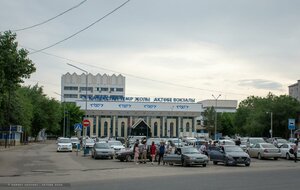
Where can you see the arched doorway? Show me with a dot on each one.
(141, 128)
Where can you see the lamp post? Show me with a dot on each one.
(216, 98)
(271, 122)
(86, 84)
(64, 128)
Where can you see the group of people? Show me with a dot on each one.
(142, 150)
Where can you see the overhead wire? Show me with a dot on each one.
(90, 25)
(135, 76)
(50, 19)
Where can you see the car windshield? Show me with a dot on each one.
(233, 149)
(189, 151)
(282, 141)
(64, 141)
(89, 141)
(268, 146)
(176, 141)
(115, 143)
(74, 139)
(102, 145)
(258, 140)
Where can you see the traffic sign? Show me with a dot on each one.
(78, 127)
(86, 123)
(291, 125)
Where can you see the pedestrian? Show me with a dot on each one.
(161, 152)
(203, 148)
(238, 142)
(144, 151)
(295, 148)
(136, 153)
(153, 152)
(275, 142)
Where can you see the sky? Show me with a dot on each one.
(164, 48)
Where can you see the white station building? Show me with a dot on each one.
(112, 114)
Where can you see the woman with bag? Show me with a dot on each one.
(153, 152)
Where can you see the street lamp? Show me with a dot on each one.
(271, 130)
(86, 84)
(216, 98)
(64, 128)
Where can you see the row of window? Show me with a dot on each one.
(99, 89)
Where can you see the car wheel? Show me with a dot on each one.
(156, 157)
(122, 160)
(215, 162)
(112, 157)
(259, 156)
(288, 157)
(128, 158)
(275, 158)
(247, 164)
(226, 162)
(185, 163)
(204, 165)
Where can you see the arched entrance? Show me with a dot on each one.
(141, 128)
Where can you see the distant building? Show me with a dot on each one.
(112, 114)
(294, 90)
(73, 87)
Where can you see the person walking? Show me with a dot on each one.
(144, 151)
(295, 148)
(161, 152)
(153, 152)
(136, 153)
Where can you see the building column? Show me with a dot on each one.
(163, 127)
(101, 128)
(126, 128)
(194, 126)
(97, 126)
(91, 126)
(175, 128)
(179, 126)
(114, 126)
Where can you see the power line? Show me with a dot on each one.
(134, 76)
(111, 12)
(48, 20)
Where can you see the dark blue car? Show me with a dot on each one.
(229, 155)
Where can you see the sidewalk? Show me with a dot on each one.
(2, 148)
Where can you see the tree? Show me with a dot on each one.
(14, 67)
(73, 115)
(209, 119)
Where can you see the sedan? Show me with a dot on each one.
(285, 148)
(186, 156)
(264, 150)
(229, 155)
(125, 155)
(102, 150)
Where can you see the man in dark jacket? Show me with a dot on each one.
(161, 152)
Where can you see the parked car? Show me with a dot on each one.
(280, 141)
(285, 148)
(186, 156)
(264, 150)
(75, 142)
(125, 155)
(229, 155)
(88, 143)
(102, 150)
(64, 144)
(226, 142)
(254, 140)
(176, 141)
(116, 145)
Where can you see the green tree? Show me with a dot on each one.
(209, 119)
(73, 115)
(14, 67)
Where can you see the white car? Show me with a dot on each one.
(88, 143)
(285, 148)
(64, 144)
(116, 145)
(75, 141)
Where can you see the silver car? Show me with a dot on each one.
(285, 148)
(264, 150)
(102, 150)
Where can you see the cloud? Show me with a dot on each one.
(261, 84)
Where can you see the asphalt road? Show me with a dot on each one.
(41, 165)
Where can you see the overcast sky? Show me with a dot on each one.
(165, 48)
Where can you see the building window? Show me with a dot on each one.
(84, 89)
(171, 129)
(123, 129)
(70, 96)
(187, 127)
(155, 129)
(119, 89)
(70, 88)
(105, 128)
(104, 89)
(111, 89)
